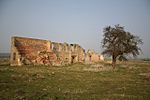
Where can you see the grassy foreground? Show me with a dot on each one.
(130, 81)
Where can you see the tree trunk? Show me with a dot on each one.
(113, 62)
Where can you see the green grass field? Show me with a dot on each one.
(129, 81)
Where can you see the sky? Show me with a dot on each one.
(73, 21)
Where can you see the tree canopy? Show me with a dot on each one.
(118, 43)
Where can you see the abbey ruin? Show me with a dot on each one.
(29, 51)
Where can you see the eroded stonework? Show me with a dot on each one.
(29, 51)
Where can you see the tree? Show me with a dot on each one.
(119, 44)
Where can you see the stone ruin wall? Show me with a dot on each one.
(92, 56)
(28, 51)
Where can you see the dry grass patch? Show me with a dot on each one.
(75, 82)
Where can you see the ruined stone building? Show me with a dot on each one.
(29, 51)
(92, 56)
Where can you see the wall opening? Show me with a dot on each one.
(90, 57)
(14, 56)
(73, 59)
